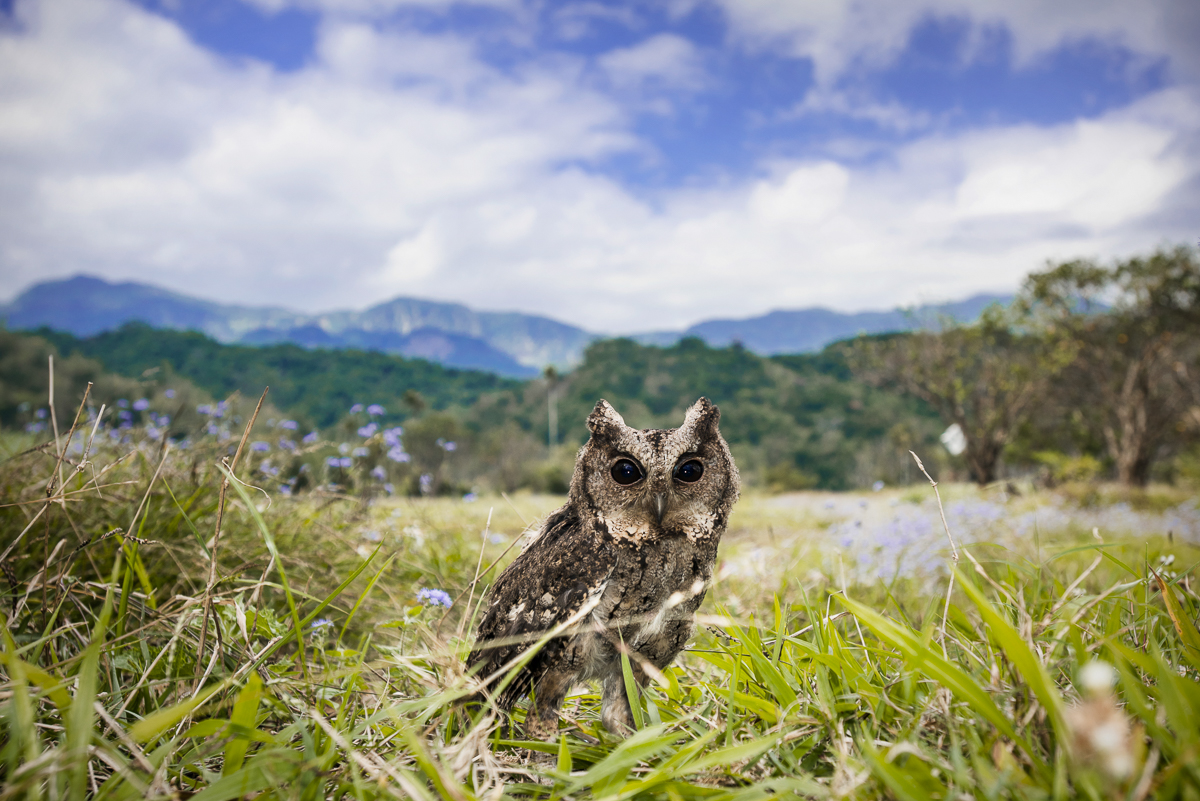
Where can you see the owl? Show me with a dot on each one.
(621, 567)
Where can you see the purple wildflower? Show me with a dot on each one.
(434, 597)
(170, 393)
(356, 408)
(378, 472)
(260, 446)
(397, 454)
(288, 425)
(310, 437)
(141, 405)
(368, 430)
(375, 410)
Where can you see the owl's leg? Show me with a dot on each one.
(541, 722)
(614, 706)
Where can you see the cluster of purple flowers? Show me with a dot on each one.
(288, 425)
(432, 597)
(260, 446)
(368, 430)
(213, 411)
(339, 461)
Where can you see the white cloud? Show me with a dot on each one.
(665, 60)
(839, 34)
(402, 164)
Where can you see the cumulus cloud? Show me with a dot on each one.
(839, 34)
(402, 163)
(666, 59)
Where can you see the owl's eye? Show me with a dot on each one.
(689, 471)
(626, 471)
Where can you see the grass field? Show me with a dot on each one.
(307, 652)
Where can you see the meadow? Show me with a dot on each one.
(1036, 644)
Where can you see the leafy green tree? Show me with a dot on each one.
(1135, 325)
(987, 377)
(25, 381)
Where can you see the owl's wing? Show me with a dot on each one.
(556, 578)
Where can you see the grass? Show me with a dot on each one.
(1063, 664)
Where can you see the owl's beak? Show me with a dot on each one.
(660, 506)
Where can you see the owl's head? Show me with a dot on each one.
(646, 483)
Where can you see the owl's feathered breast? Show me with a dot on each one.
(554, 579)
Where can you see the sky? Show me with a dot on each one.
(622, 166)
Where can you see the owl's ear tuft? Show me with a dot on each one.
(604, 416)
(702, 418)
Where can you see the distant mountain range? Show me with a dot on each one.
(507, 343)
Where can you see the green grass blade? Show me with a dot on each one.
(367, 591)
(245, 710)
(1181, 620)
(565, 763)
(731, 754)
(631, 692)
(269, 540)
(151, 726)
(24, 743)
(82, 715)
(925, 660)
(901, 785)
(1022, 657)
(265, 771)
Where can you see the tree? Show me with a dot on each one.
(1134, 325)
(986, 377)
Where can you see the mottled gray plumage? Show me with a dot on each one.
(622, 561)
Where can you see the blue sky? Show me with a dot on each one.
(624, 166)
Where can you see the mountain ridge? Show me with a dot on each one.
(512, 344)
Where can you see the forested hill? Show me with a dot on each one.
(317, 385)
(792, 421)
